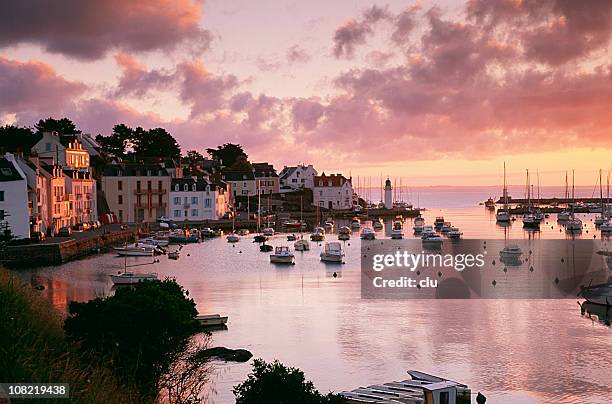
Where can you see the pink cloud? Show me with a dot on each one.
(136, 80)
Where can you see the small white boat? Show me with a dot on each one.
(606, 227)
(511, 250)
(134, 251)
(454, 233)
(318, 234)
(502, 216)
(367, 234)
(282, 255)
(210, 320)
(397, 232)
(564, 216)
(160, 242)
(301, 245)
(530, 221)
(427, 230)
(355, 223)
(130, 278)
(233, 238)
(268, 232)
(332, 252)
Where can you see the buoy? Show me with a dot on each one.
(439, 274)
(335, 275)
(418, 273)
(562, 260)
(493, 262)
(505, 269)
(557, 281)
(530, 269)
(494, 283)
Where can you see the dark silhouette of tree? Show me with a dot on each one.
(116, 143)
(63, 126)
(274, 383)
(227, 154)
(155, 142)
(141, 330)
(14, 139)
(194, 156)
(241, 164)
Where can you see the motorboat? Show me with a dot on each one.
(131, 278)
(598, 294)
(211, 320)
(243, 232)
(233, 238)
(318, 234)
(268, 231)
(207, 232)
(418, 228)
(378, 224)
(301, 245)
(564, 216)
(160, 242)
(490, 203)
(291, 237)
(282, 255)
(355, 223)
(606, 227)
(367, 234)
(292, 225)
(574, 224)
(173, 255)
(397, 232)
(329, 226)
(332, 252)
(439, 222)
(260, 238)
(539, 216)
(265, 247)
(511, 251)
(454, 233)
(427, 231)
(130, 251)
(446, 227)
(419, 220)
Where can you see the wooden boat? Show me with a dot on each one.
(211, 320)
(130, 278)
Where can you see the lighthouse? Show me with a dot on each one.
(388, 194)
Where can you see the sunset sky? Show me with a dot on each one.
(437, 92)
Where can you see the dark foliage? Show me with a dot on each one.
(227, 154)
(14, 139)
(62, 126)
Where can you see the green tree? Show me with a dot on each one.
(63, 126)
(194, 156)
(155, 142)
(227, 154)
(274, 383)
(241, 164)
(141, 330)
(15, 139)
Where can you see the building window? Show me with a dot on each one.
(185, 187)
(193, 188)
(120, 215)
(48, 147)
(194, 212)
(1, 214)
(120, 199)
(176, 187)
(177, 213)
(160, 185)
(138, 185)
(207, 203)
(120, 185)
(177, 200)
(194, 200)
(1, 196)
(149, 185)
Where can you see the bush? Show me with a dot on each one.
(142, 330)
(274, 383)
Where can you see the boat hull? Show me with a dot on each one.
(275, 259)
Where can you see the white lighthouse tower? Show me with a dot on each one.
(388, 194)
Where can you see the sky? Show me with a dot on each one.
(434, 92)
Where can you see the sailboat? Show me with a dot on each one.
(259, 238)
(233, 237)
(503, 216)
(301, 244)
(529, 219)
(565, 214)
(573, 224)
(602, 217)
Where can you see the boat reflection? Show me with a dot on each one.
(599, 312)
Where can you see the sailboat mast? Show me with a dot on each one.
(601, 194)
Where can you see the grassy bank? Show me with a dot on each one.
(33, 349)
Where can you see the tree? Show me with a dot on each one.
(14, 139)
(118, 140)
(141, 330)
(227, 154)
(194, 156)
(241, 164)
(62, 126)
(155, 142)
(274, 383)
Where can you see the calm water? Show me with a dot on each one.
(514, 351)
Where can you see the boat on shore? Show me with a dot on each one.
(282, 255)
(332, 252)
(131, 278)
(211, 320)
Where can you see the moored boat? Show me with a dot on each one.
(282, 255)
(301, 245)
(318, 234)
(397, 232)
(332, 252)
(355, 223)
(268, 231)
(130, 278)
(232, 238)
(211, 320)
(511, 250)
(367, 234)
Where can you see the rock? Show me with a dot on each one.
(226, 354)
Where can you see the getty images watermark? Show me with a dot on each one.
(524, 269)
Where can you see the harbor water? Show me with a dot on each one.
(514, 351)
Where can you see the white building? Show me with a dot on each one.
(298, 177)
(333, 192)
(388, 194)
(197, 200)
(14, 212)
